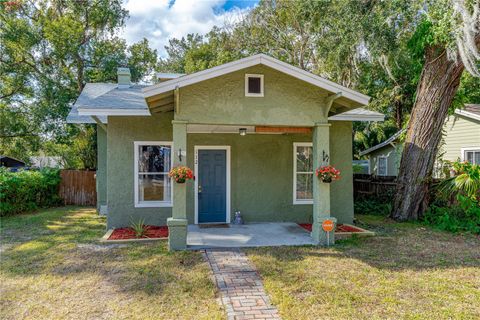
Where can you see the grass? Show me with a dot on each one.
(52, 267)
(407, 271)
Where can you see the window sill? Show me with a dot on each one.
(153, 205)
(302, 202)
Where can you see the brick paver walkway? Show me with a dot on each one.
(240, 286)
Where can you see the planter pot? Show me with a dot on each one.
(180, 180)
(327, 180)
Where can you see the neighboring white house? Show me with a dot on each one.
(461, 141)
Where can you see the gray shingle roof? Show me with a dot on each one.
(359, 114)
(74, 117)
(473, 108)
(109, 96)
(471, 111)
(106, 96)
(384, 143)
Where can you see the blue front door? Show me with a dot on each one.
(212, 186)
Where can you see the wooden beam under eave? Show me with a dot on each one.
(159, 97)
(161, 102)
(329, 102)
(267, 129)
(164, 108)
(176, 102)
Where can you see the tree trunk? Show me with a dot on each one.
(438, 84)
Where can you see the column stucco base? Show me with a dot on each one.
(319, 236)
(177, 234)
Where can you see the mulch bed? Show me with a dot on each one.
(338, 228)
(151, 232)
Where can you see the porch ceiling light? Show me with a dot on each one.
(242, 131)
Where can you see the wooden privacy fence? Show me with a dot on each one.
(366, 184)
(78, 187)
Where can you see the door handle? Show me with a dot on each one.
(199, 189)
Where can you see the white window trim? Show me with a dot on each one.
(464, 150)
(295, 200)
(248, 94)
(150, 204)
(228, 177)
(378, 166)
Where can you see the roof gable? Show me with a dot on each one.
(278, 65)
(384, 143)
(471, 111)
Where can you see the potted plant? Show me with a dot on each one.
(181, 174)
(327, 173)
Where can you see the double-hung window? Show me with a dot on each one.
(302, 173)
(153, 186)
(472, 156)
(382, 166)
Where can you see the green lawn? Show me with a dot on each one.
(406, 272)
(52, 267)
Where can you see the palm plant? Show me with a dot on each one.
(138, 228)
(465, 179)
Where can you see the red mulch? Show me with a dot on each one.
(339, 228)
(152, 232)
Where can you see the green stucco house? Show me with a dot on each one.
(253, 131)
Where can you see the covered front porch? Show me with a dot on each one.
(268, 234)
(262, 165)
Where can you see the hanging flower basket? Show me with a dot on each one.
(327, 174)
(181, 174)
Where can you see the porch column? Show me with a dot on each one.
(177, 224)
(321, 190)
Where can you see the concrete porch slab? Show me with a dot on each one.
(249, 235)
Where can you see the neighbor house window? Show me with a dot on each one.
(302, 173)
(254, 85)
(153, 187)
(472, 156)
(382, 166)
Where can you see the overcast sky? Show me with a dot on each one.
(160, 20)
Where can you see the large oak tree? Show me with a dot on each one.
(450, 32)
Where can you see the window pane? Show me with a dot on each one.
(304, 159)
(477, 157)
(469, 156)
(254, 85)
(154, 187)
(382, 166)
(154, 158)
(304, 186)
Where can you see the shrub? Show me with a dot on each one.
(464, 215)
(465, 180)
(372, 205)
(28, 190)
(376, 204)
(139, 228)
(456, 205)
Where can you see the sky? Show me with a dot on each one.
(160, 20)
